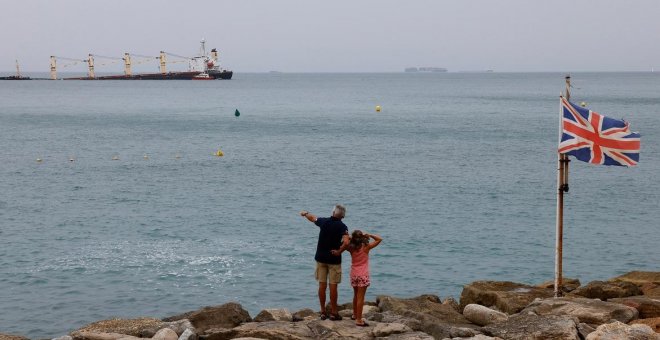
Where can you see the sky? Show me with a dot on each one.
(340, 35)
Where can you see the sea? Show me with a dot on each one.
(113, 202)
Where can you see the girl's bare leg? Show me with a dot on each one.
(361, 292)
(355, 294)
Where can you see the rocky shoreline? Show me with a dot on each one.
(624, 307)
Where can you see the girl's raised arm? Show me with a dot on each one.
(375, 242)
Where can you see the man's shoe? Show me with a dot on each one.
(335, 317)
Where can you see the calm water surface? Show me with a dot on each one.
(457, 173)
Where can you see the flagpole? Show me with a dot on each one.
(562, 186)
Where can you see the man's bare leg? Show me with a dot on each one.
(322, 287)
(333, 298)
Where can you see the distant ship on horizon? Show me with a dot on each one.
(18, 75)
(425, 69)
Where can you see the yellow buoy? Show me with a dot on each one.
(377, 108)
(583, 104)
(219, 153)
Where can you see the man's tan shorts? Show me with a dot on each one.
(326, 271)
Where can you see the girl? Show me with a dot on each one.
(359, 248)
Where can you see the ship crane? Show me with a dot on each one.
(141, 59)
(53, 64)
(18, 70)
(115, 60)
(163, 60)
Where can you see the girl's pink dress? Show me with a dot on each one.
(360, 267)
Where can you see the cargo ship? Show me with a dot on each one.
(425, 69)
(202, 66)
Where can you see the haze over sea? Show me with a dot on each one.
(457, 173)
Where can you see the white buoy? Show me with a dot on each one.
(115, 158)
(71, 159)
(177, 156)
(39, 160)
(145, 156)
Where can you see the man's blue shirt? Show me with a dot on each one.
(331, 233)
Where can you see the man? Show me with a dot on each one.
(333, 234)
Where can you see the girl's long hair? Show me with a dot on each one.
(358, 239)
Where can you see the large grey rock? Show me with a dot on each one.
(482, 315)
(607, 290)
(429, 305)
(165, 334)
(647, 307)
(504, 296)
(591, 311)
(528, 326)
(304, 314)
(281, 314)
(387, 329)
(476, 337)
(424, 313)
(618, 330)
(134, 327)
(228, 315)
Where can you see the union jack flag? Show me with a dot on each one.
(596, 139)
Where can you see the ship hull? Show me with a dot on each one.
(189, 75)
(15, 78)
(224, 74)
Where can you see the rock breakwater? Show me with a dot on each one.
(625, 307)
